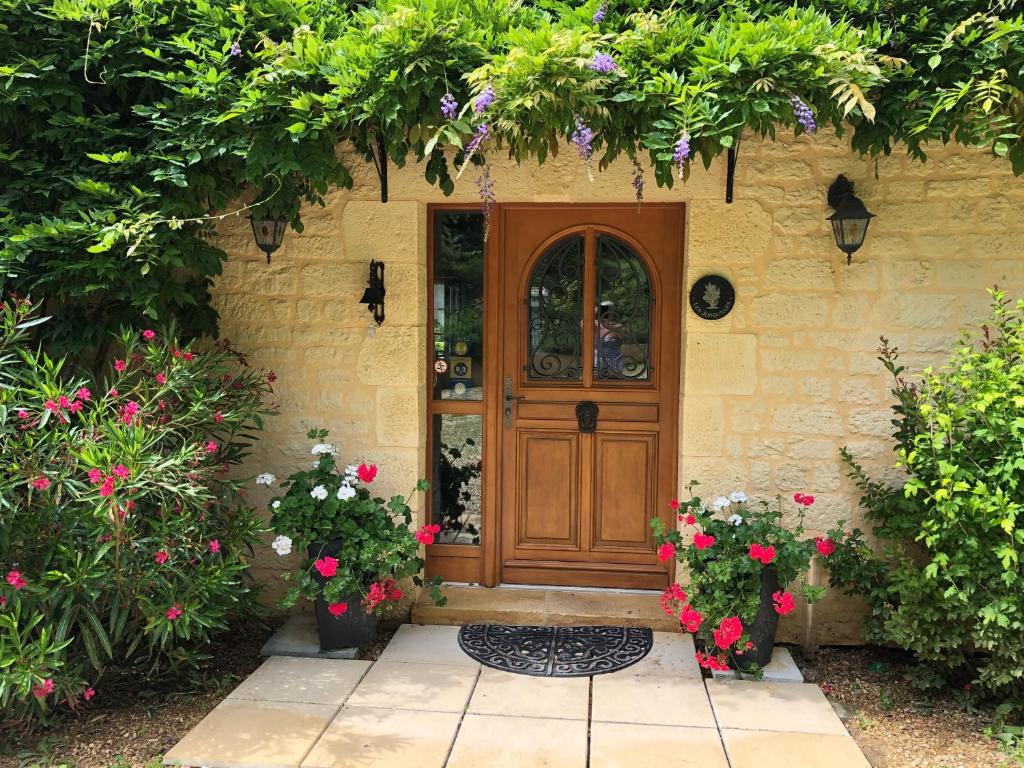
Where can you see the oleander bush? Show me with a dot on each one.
(123, 543)
(944, 578)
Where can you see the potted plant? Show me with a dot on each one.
(359, 547)
(742, 564)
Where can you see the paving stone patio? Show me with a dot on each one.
(425, 704)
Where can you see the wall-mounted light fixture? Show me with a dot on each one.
(851, 218)
(268, 233)
(373, 296)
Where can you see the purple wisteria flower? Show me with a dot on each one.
(682, 152)
(235, 50)
(485, 187)
(638, 180)
(603, 63)
(601, 13)
(583, 138)
(803, 114)
(484, 100)
(449, 106)
(482, 132)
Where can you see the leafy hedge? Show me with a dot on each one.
(123, 121)
(123, 544)
(945, 580)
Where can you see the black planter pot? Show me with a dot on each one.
(762, 630)
(353, 629)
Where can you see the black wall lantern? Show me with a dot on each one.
(268, 233)
(850, 220)
(373, 296)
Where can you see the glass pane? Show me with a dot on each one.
(458, 305)
(455, 482)
(622, 329)
(555, 303)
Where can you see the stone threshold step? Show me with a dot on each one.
(550, 607)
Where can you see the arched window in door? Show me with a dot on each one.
(622, 332)
(555, 306)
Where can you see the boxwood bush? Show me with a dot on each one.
(944, 579)
(122, 539)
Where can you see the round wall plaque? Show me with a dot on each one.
(712, 297)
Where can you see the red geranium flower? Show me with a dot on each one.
(367, 473)
(764, 554)
(825, 545)
(690, 618)
(703, 540)
(784, 602)
(730, 629)
(674, 504)
(666, 551)
(337, 609)
(326, 567)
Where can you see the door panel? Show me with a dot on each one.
(625, 472)
(548, 512)
(590, 305)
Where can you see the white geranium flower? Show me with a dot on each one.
(346, 492)
(320, 448)
(735, 519)
(265, 478)
(282, 545)
(319, 493)
(738, 497)
(276, 503)
(720, 503)
(352, 470)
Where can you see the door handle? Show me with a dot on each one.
(586, 417)
(507, 401)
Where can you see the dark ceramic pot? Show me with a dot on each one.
(353, 629)
(766, 623)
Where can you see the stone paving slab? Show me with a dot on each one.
(630, 745)
(651, 700)
(492, 741)
(309, 681)
(505, 693)
(298, 637)
(253, 734)
(404, 685)
(427, 644)
(361, 737)
(764, 706)
(670, 656)
(782, 668)
(764, 749)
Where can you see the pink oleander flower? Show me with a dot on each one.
(95, 476)
(64, 402)
(76, 406)
(16, 580)
(367, 473)
(161, 557)
(83, 394)
(43, 690)
(89, 693)
(175, 612)
(122, 471)
(160, 378)
(326, 567)
(148, 335)
(107, 489)
(120, 365)
(337, 609)
(51, 406)
(41, 483)
(23, 414)
(214, 545)
(211, 447)
(218, 417)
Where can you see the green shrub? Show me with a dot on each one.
(122, 541)
(945, 581)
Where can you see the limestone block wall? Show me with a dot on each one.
(769, 393)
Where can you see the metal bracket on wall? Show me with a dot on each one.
(730, 170)
(380, 162)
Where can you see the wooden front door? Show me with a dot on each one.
(589, 353)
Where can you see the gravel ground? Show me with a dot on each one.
(896, 726)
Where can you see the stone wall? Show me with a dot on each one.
(770, 393)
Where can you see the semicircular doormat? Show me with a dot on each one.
(555, 651)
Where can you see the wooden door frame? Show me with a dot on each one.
(482, 564)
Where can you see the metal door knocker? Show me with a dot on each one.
(586, 416)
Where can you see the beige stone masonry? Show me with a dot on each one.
(770, 393)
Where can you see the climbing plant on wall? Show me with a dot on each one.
(125, 125)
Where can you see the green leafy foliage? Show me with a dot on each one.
(332, 511)
(122, 542)
(945, 578)
(128, 126)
